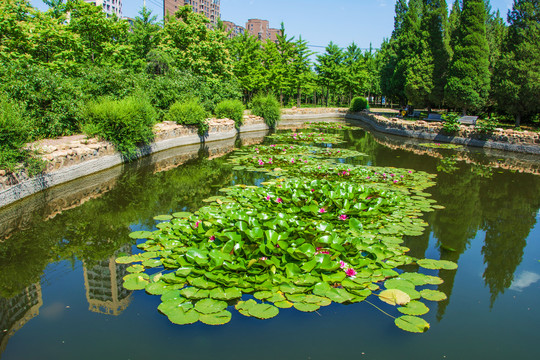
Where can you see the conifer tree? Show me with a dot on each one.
(517, 75)
(468, 82)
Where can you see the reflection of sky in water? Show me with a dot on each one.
(524, 280)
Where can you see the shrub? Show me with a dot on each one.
(451, 124)
(190, 112)
(126, 123)
(15, 128)
(268, 108)
(53, 100)
(358, 104)
(486, 126)
(231, 109)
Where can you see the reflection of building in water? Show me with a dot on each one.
(15, 312)
(103, 283)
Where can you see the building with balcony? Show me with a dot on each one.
(109, 6)
(209, 8)
(258, 28)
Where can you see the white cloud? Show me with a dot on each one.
(524, 280)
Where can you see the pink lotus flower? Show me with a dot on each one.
(312, 190)
(322, 210)
(338, 151)
(256, 149)
(264, 258)
(325, 252)
(292, 161)
(319, 248)
(268, 197)
(343, 217)
(261, 162)
(410, 172)
(369, 177)
(279, 200)
(197, 223)
(350, 272)
(395, 181)
(368, 198)
(305, 161)
(319, 168)
(342, 264)
(212, 238)
(273, 145)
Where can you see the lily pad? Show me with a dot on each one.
(181, 317)
(218, 318)
(140, 234)
(306, 307)
(210, 306)
(437, 264)
(414, 308)
(394, 297)
(412, 324)
(182, 214)
(136, 281)
(263, 311)
(433, 295)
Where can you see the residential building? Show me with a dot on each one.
(258, 28)
(109, 6)
(209, 8)
(235, 30)
(274, 34)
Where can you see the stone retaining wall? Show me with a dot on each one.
(507, 140)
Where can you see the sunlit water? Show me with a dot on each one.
(61, 294)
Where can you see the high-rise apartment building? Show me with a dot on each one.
(258, 28)
(233, 29)
(109, 6)
(209, 8)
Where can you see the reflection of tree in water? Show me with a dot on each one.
(458, 223)
(509, 215)
(93, 231)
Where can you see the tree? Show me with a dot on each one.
(468, 82)
(330, 68)
(195, 47)
(355, 75)
(248, 68)
(144, 36)
(517, 75)
(301, 68)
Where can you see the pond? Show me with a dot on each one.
(61, 292)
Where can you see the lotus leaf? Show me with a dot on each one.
(433, 295)
(394, 297)
(437, 264)
(263, 311)
(225, 294)
(210, 306)
(306, 307)
(183, 317)
(163, 217)
(219, 318)
(412, 324)
(140, 234)
(414, 308)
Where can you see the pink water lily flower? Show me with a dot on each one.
(212, 238)
(292, 161)
(312, 190)
(268, 197)
(395, 181)
(261, 163)
(342, 264)
(350, 272)
(369, 177)
(273, 145)
(279, 200)
(197, 223)
(343, 217)
(264, 258)
(322, 210)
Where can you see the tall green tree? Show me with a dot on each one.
(355, 75)
(247, 59)
(144, 36)
(517, 75)
(301, 68)
(329, 68)
(468, 83)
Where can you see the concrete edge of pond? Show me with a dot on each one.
(31, 186)
(432, 133)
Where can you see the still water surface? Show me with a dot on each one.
(61, 294)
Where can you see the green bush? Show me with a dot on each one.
(268, 108)
(231, 109)
(126, 123)
(358, 104)
(15, 128)
(53, 100)
(451, 123)
(190, 112)
(486, 126)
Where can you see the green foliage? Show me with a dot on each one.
(450, 124)
(517, 74)
(231, 109)
(126, 123)
(486, 126)
(15, 129)
(189, 112)
(358, 104)
(468, 82)
(268, 108)
(53, 100)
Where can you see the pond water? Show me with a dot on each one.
(61, 294)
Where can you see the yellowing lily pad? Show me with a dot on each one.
(394, 297)
(412, 324)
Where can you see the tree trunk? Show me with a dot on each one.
(464, 111)
(518, 120)
(299, 98)
(327, 94)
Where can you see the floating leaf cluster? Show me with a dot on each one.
(329, 126)
(441, 146)
(307, 138)
(324, 234)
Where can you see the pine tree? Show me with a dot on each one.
(468, 82)
(517, 75)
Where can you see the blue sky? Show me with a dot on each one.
(317, 21)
